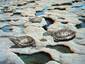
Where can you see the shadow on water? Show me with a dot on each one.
(61, 48)
(37, 58)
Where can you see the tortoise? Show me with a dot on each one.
(23, 41)
(63, 35)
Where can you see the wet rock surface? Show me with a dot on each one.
(55, 27)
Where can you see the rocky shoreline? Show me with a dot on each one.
(49, 24)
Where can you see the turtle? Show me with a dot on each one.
(23, 41)
(63, 35)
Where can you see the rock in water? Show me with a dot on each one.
(63, 35)
(23, 41)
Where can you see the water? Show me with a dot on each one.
(37, 58)
(41, 57)
(61, 48)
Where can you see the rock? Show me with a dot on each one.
(52, 62)
(23, 41)
(9, 58)
(74, 59)
(80, 39)
(63, 35)
(13, 58)
(7, 9)
(60, 2)
(35, 31)
(36, 20)
(3, 57)
(5, 43)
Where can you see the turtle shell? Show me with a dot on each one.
(23, 41)
(63, 35)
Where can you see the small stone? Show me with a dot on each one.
(36, 20)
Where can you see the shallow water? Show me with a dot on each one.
(61, 48)
(37, 58)
(41, 57)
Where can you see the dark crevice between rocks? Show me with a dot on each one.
(64, 22)
(78, 26)
(60, 8)
(22, 4)
(61, 18)
(75, 1)
(62, 4)
(49, 21)
(49, 9)
(31, 1)
(9, 20)
(55, 4)
(66, 4)
(36, 58)
(83, 16)
(17, 13)
(61, 48)
(5, 20)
